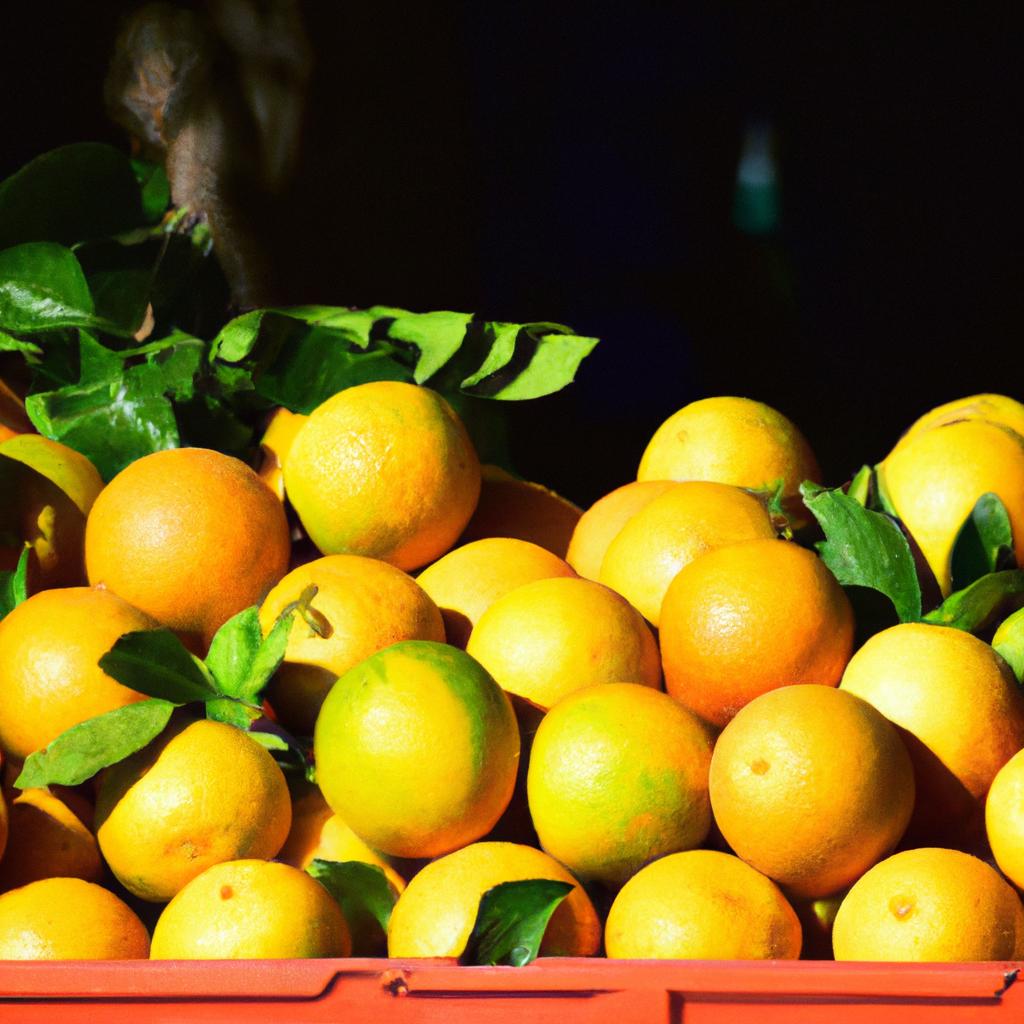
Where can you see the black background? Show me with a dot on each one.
(567, 164)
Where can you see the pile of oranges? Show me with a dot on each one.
(665, 701)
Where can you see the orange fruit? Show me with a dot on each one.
(601, 522)
(50, 679)
(618, 777)
(190, 536)
(750, 617)
(275, 445)
(1004, 818)
(69, 919)
(994, 408)
(671, 531)
(416, 749)
(960, 712)
(934, 479)
(435, 915)
(701, 905)
(200, 794)
(384, 469)
(731, 441)
(469, 579)
(509, 507)
(362, 605)
(545, 639)
(251, 910)
(47, 840)
(929, 905)
(811, 786)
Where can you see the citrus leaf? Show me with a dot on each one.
(511, 921)
(232, 712)
(984, 543)
(269, 656)
(437, 337)
(155, 189)
(42, 288)
(11, 344)
(860, 488)
(865, 549)
(156, 663)
(1009, 642)
(365, 896)
(87, 748)
(233, 650)
(14, 585)
(977, 606)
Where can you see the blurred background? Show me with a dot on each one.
(813, 205)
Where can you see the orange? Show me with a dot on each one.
(1004, 818)
(50, 679)
(509, 507)
(47, 840)
(200, 794)
(731, 441)
(929, 905)
(384, 469)
(362, 605)
(469, 579)
(671, 531)
(618, 777)
(190, 536)
(416, 749)
(275, 445)
(435, 915)
(811, 786)
(701, 905)
(603, 520)
(750, 617)
(69, 919)
(251, 910)
(545, 639)
(960, 711)
(995, 408)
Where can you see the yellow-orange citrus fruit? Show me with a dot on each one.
(935, 478)
(362, 605)
(960, 711)
(601, 522)
(198, 795)
(469, 579)
(674, 529)
(190, 536)
(50, 679)
(619, 776)
(545, 639)
(69, 919)
(731, 441)
(1004, 819)
(744, 619)
(47, 840)
(811, 786)
(416, 749)
(384, 469)
(251, 910)
(994, 408)
(435, 915)
(701, 905)
(929, 905)
(509, 507)
(275, 445)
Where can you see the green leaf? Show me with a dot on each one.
(861, 486)
(437, 337)
(984, 543)
(1009, 642)
(156, 663)
(232, 712)
(979, 605)
(240, 659)
(269, 656)
(79, 753)
(366, 899)
(271, 740)
(42, 288)
(11, 344)
(511, 921)
(156, 191)
(14, 585)
(865, 549)
(237, 338)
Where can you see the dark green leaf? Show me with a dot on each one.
(511, 921)
(232, 712)
(979, 605)
(11, 344)
(85, 749)
(861, 486)
(366, 899)
(156, 191)
(984, 543)
(1009, 642)
(156, 663)
(14, 585)
(865, 549)
(42, 287)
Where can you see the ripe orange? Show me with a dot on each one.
(275, 445)
(811, 786)
(190, 536)
(701, 905)
(469, 579)
(1004, 818)
(384, 469)
(994, 408)
(750, 617)
(50, 679)
(362, 605)
(435, 915)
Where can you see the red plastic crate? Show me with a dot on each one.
(555, 990)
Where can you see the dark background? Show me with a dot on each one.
(562, 163)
